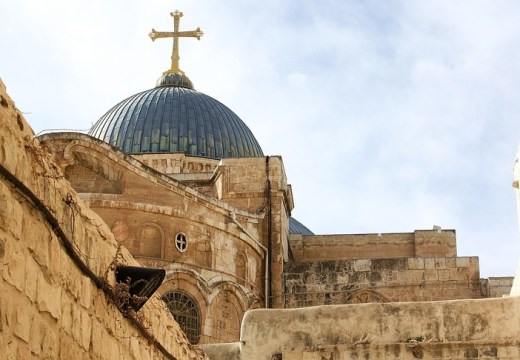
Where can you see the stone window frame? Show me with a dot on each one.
(181, 242)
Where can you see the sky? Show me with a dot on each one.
(390, 116)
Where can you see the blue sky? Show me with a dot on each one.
(390, 116)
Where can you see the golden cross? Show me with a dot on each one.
(176, 34)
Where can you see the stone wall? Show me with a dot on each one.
(57, 261)
(420, 243)
(458, 329)
(381, 280)
(497, 286)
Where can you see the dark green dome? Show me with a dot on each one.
(172, 118)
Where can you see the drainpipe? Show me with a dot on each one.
(269, 233)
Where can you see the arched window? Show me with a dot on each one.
(150, 241)
(186, 312)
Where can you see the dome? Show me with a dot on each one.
(175, 118)
(296, 227)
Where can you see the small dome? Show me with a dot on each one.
(296, 227)
(174, 118)
(175, 79)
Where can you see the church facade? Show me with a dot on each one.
(183, 184)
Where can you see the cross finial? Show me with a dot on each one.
(176, 34)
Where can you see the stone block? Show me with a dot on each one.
(81, 327)
(417, 276)
(2, 250)
(458, 274)
(69, 349)
(38, 242)
(429, 263)
(451, 262)
(5, 205)
(66, 313)
(416, 263)
(474, 263)
(431, 275)
(292, 355)
(440, 263)
(14, 265)
(32, 270)
(463, 262)
(55, 251)
(23, 318)
(70, 280)
(508, 352)
(411, 276)
(15, 218)
(87, 288)
(362, 265)
(444, 274)
(100, 336)
(474, 274)
(49, 297)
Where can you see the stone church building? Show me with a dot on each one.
(184, 185)
(172, 179)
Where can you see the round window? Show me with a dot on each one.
(181, 242)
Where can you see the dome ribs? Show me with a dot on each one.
(176, 119)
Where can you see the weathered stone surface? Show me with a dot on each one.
(22, 319)
(48, 307)
(14, 265)
(438, 330)
(402, 279)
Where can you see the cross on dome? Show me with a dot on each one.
(175, 34)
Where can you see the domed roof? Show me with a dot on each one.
(173, 118)
(296, 227)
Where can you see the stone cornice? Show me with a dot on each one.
(105, 154)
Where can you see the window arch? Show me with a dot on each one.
(150, 240)
(186, 312)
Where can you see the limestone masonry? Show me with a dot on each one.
(49, 307)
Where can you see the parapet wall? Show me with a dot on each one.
(57, 261)
(420, 243)
(458, 329)
(179, 163)
(497, 286)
